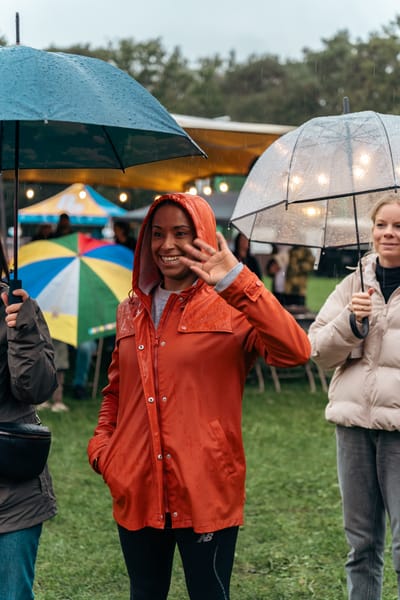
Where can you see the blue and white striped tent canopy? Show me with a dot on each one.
(82, 203)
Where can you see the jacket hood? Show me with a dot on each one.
(145, 272)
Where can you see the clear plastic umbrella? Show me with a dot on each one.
(306, 187)
(316, 185)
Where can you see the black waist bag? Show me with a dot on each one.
(24, 448)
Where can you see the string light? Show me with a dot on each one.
(311, 211)
(358, 172)
(322, 179)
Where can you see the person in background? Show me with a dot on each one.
(364, 400)
(83, 358)
(43, 232)
(242, 252)
(276, 269)
(61, 359)
(123, 235)
(168, 440)
(300, 265)
(64, 226)
(27, 378)
(289, 268)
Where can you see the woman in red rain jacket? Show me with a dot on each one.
(168, 441)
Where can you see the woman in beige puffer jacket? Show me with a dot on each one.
(364, 400)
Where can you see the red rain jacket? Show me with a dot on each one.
(169, 435)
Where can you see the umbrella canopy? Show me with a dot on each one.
(78, 282)
(63, 111)
(76, 111)
(81, 202)
(316, 185)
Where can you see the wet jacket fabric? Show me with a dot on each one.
(169, 436)
(27, 378)
(364, 390)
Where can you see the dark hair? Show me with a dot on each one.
(124, 225)
(236, 244)
(272, 262)
(3, 263)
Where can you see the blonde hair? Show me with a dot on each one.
(390, 198)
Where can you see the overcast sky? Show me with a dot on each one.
(199, 27)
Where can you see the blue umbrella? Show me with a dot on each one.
(63, 111)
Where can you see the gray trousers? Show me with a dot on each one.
(369, 477)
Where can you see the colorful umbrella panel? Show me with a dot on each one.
(78, 282)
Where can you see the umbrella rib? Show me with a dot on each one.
(326, 223)
(106, 134)
(389, 147)
(290, 165)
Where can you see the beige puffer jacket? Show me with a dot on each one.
(364, 390)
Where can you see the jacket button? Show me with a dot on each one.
(141, 347)
(164, 398)
(151, 399)
(162, 343)
(174, 514)
(168, 456)
(159, 456)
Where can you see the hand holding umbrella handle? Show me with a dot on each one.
(362, 333)
(14, 284)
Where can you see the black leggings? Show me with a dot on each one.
(207, 560)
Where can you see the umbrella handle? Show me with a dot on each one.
(361, 335)
(14, 284)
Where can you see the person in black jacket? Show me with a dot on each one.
(27, 378)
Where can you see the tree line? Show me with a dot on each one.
(263, 88)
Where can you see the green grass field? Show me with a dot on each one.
(292, 545)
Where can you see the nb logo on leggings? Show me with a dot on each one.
(205, 537)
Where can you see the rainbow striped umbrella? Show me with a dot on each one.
(78, 282)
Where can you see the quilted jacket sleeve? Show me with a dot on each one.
(331, 337)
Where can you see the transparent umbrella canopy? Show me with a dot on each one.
(316, 185)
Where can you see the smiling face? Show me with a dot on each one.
(171, 229)
(386, 234)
